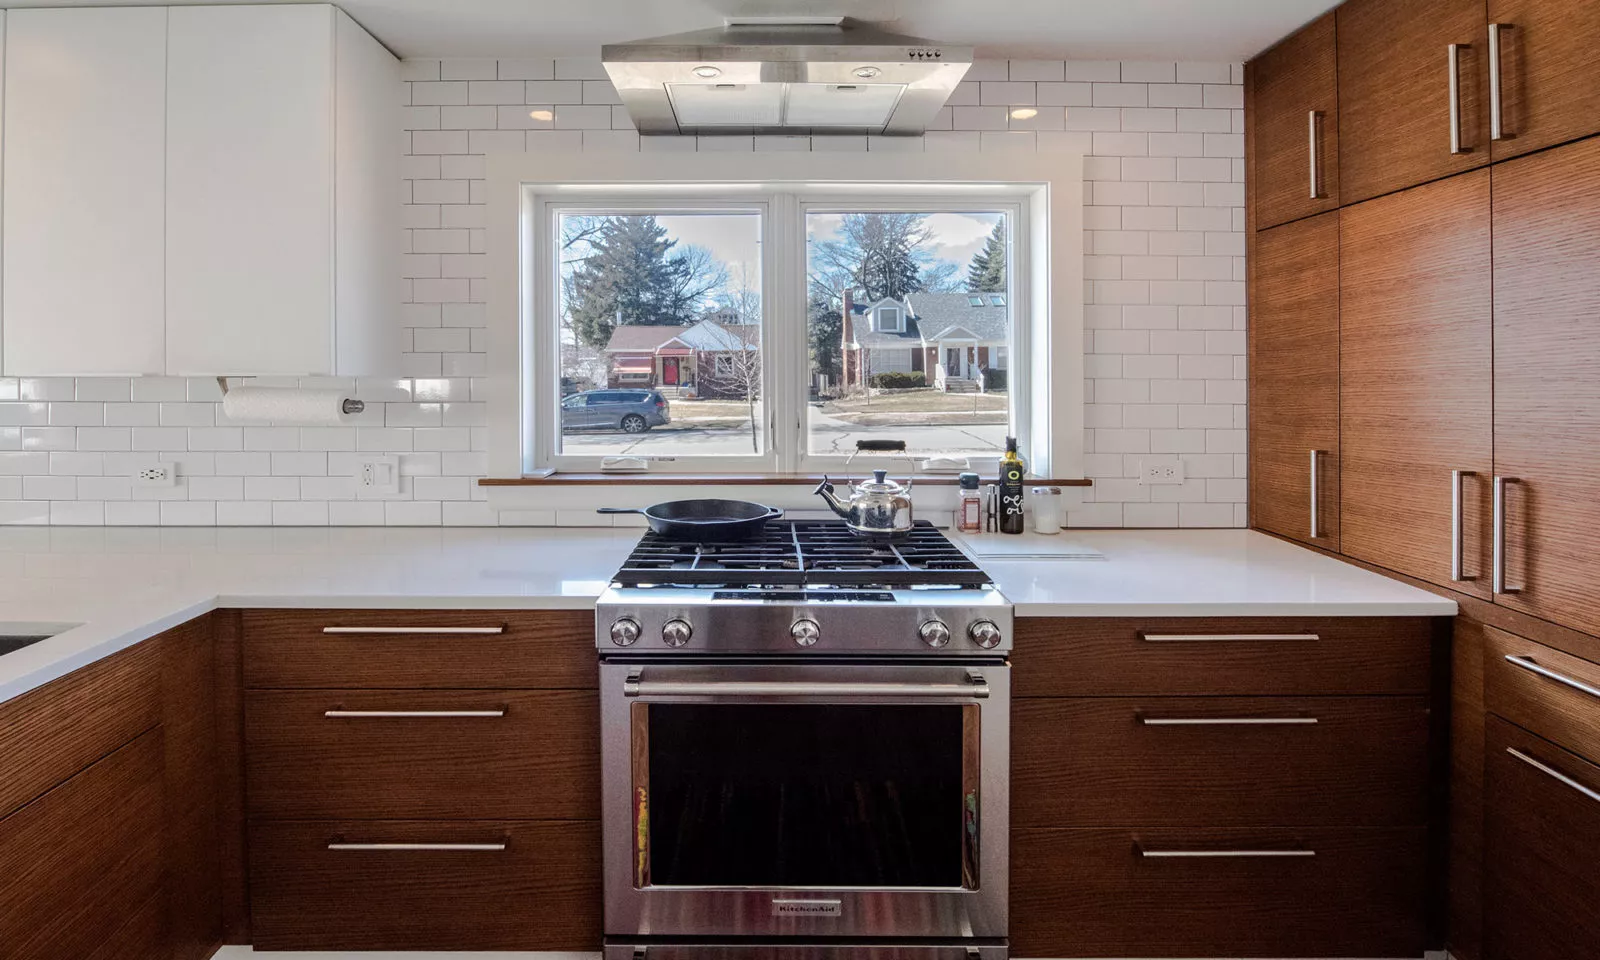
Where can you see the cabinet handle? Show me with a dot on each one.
(1203, 854)
(1497, 129)
(429, 714)
(1529, 664)
(1193, 637)
(1456, 572)
(412, 631)
(421, 847)
(1498, 574)
(1226, 721)
(1552, 772)
(1316, 526)
(1313, 124)
(1453, 67)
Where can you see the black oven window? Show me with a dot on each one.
(806, 796)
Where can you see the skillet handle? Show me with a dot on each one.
(617, 510)
(774, 513)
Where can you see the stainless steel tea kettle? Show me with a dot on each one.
(879, 508)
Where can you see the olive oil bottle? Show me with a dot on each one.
(1012, 471)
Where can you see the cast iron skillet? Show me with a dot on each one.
(705, 520)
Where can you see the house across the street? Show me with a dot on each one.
(707, 359)
(951, 338)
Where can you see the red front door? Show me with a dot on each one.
(669, 371)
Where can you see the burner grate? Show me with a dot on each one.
(817, 552)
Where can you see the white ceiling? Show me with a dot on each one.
(1085, 29)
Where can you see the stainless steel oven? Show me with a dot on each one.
(807, 798)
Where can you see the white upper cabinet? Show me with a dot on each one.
(282, 168)
(201, 191)
(85, 105)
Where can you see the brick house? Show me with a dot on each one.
(707, 359)
(951, 338)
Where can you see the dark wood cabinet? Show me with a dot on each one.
(1294, 381)
(1395, 93)
(1296, 137)
(1415, 380)
(1549, 73)
(1541, 830)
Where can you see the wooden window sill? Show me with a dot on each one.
(725, 479)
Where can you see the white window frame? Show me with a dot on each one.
(900, 319)
(1045, 190)
(718, 361)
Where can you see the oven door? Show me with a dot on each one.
(805, 799)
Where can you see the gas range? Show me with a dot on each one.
(804, 587)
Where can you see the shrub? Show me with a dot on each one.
(994, 381)
(898, 381)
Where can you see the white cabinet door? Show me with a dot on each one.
(250, 191)
(85, 105)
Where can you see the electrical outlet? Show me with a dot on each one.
(1155, 470)
(379, 475)
(154, 475)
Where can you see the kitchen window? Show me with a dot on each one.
(766, 326)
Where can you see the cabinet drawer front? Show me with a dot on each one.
(495, 649)
(399, 754)
(1307, 761)
(77, 860)
(1217, 892)
(1220, 656)
(49, 734)
(1541, 877)
(540, 892)
(1553, 694)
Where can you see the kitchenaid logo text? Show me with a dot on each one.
(805, 908)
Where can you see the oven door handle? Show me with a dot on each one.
(975, 688)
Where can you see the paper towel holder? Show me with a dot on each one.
(348, 405)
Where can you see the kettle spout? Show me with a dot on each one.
(825, 491)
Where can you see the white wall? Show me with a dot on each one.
(1165, 316)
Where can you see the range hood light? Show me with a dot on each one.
(867, 73)
(1024, 113)
(707, 72)
(542, 115)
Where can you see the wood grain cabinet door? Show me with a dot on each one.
(1415, 378)
(1296, 126)
(1547, 380)
(1294, 381)
(1541, 833)
(1549, 72)
(1395, 93)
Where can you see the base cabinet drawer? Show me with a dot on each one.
(1216, 761)
(1541, 834)
(1198, 892)
(1554, 694)
(1221, 656)
(423, 754)
(418, 885)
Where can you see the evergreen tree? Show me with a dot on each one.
(987, 272)
(633, 271)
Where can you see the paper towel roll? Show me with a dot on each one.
(297, 407)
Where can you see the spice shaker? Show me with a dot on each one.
(1047, 514)
(969, 509)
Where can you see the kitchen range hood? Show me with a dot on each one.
(785, 75)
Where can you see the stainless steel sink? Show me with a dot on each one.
(10, 644)
(15, 636)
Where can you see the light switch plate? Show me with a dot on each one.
(379, 475)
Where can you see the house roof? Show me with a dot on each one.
(931, 316)
(869, 337)
(636, 337)
(704, 335)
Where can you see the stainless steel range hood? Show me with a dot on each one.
(772, 75)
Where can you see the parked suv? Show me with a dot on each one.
(631, 411)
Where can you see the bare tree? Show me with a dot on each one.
(736, 369)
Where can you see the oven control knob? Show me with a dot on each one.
(934, 633)
(624, 632)
(676, 633)
(985, 634)
(805, 632)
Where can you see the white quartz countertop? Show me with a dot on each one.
(121, 585)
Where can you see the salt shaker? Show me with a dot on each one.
(1047, 516)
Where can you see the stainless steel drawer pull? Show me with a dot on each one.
(976, 688)
(1226, 721)
(1456, 566)
(1197, 637)
(1202, 854)
(415, 631)
(1497, 130)
(1557, 774)
(1453, 66)
(429, 714)
(1314, 125)
(1533, 666)
(422, 847)
(1498, 532)
(1316, 526)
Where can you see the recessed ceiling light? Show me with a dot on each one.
(541, 115)
(707, 72)
(1024, 113)
(867, 73)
